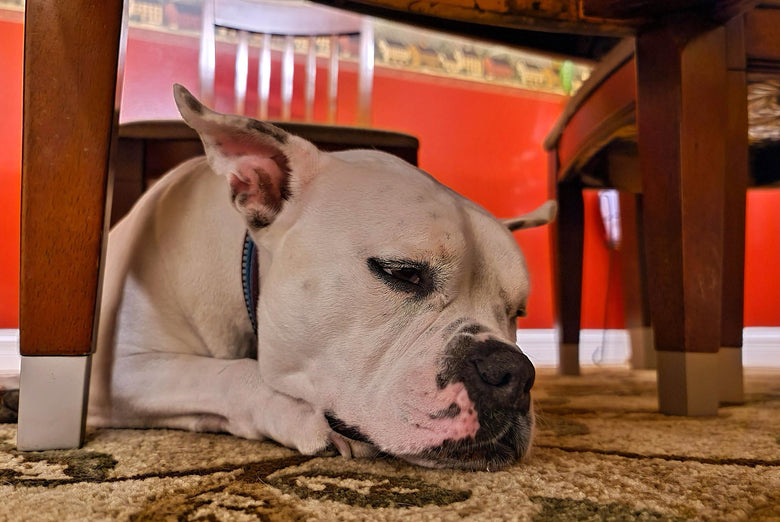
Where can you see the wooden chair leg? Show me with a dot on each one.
(70, 90)
(52, 402)
(634, 272)
(128, 179)
(682, 107)
(737, 166)
(568, 234)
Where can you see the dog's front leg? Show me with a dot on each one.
(176, 390)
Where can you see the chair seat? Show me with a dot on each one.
(326, 137)
(149, 149)
(595, 138)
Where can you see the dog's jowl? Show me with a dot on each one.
(384, 318)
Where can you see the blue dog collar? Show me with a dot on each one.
(250, 279)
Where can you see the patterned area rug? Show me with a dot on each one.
(602, 453)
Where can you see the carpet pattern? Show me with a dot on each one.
(602, 453)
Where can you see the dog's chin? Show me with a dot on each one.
(478, 454)
(483, 453)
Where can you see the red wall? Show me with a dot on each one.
(11, 38)
(483, 141)
(602, 284)
(485, 144)
(762, 258)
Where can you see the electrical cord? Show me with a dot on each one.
(609, 207)
(597, 357)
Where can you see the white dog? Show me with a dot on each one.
(386, 312)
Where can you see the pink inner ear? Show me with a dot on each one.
(238, 184)
(257, 183)
(256, 169)
(232, 145)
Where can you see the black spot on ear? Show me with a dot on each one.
(284, 189)
(265, 128)
(193, 104)
(256, 221)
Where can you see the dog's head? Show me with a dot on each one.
(387, 301)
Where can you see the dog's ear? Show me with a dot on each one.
(264, 165)
(541, 216)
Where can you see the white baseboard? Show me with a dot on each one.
(9, 350)
(601, 347)
(761, 348)
(10, 361)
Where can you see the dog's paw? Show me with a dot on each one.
(305, 429)
(287, 420)
(312, 443)
(349, 448)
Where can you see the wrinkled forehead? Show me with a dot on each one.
(384, 193)
(402, 211)
(503, 260)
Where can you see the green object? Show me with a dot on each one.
(566, 75)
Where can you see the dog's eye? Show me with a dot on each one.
(408, 274)
(521, 312)
(402, 275)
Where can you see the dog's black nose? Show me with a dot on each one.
(500, 374)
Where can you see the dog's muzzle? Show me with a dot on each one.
(498, 378)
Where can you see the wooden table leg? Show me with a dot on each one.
(681, 108)
(634, 271)
(737, 167)
(70, 106)
(567, 243)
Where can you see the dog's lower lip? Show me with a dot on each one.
(500, 450)
(342, 428)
